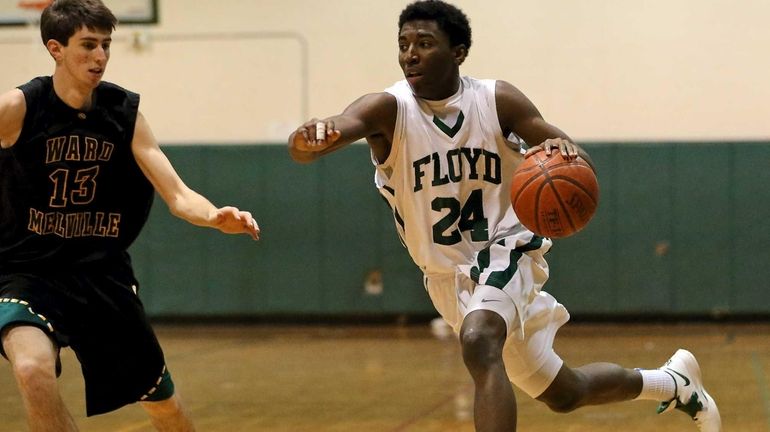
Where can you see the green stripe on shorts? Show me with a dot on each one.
(499, 279)
(163, 389)
(534, 244)
(14, 311)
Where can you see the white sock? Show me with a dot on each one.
(656, 385)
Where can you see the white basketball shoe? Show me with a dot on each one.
(691, 397)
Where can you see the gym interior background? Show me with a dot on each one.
(670, 98)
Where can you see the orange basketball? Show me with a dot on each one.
(553, 196)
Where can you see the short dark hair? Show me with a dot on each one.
(62, 18)
(449, 18)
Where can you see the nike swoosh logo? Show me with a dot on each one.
(489, 300)
(686, 380)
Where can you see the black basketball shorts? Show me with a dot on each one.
(96, 312)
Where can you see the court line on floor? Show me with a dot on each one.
(761, 378)
(430, 410)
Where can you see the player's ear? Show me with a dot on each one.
(54, 48)
(460, 52)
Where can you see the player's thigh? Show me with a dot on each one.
(35, 303)
(530, 360)
(504, 315)
(28, 345)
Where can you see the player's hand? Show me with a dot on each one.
(230, 220)
(315, 135)
(567, 148)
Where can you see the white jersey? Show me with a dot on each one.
(448, 176)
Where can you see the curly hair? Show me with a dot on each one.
(62, 18)
(449, 18)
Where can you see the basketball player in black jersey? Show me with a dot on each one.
(78, 170)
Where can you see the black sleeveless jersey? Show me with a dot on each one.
(71, 191)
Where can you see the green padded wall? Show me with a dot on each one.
(681, 229)
(324, 228)
(749, 248)
(702, 229)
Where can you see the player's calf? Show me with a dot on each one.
(566, 393)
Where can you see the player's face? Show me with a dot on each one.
(86, 55)
(429, 62)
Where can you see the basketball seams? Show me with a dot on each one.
(564, 209)
(548, 182)
(578, 185)
(538, 192)
(529, 181)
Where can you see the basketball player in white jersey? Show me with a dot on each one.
(445, 147)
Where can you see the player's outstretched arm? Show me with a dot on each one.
(369, 115)
(182, 201)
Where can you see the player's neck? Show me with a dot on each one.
(72, 93)
(452, 99)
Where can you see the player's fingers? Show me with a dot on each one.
(332, 133)
(309, 135)
(302, 131)
(571, 150)
(308, 132)
(252, 228)
(310, 124)
(547, 147)
(333, 136)
(320, 133)
(255, 229)
(532, 150)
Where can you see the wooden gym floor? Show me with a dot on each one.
(403, 379)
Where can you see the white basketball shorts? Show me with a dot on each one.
(506, 278)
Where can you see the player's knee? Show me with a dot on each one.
(482, 343)
(33, 372)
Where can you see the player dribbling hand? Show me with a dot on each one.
(567, 148)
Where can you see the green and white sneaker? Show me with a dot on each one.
(691, 397)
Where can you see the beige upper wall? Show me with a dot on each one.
(248, 70)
